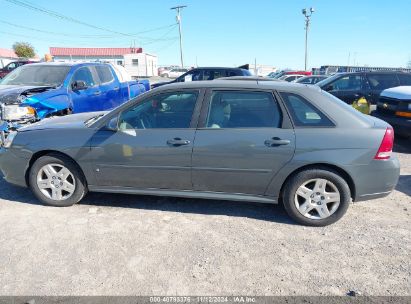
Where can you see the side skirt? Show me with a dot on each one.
(187, 193)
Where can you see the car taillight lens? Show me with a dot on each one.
(385, 150)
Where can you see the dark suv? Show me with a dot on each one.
(199, 74)
(352, 86)
(12, 66)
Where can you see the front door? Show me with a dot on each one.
(240, 144)
(349, 88)
(153, 145)
(88, 99)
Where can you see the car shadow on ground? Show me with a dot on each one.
(265, 212)
(404, 185)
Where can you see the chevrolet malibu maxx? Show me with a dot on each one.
(241, 140)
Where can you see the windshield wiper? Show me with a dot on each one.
(92, 119)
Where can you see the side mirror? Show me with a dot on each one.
(78, 85)
(112, 125)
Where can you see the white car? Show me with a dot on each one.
(291, 78)
(174, 73)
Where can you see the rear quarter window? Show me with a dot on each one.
(303, 113)
(104, 73)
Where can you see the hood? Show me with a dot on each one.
(62, 122)
(401, 92)
(11, 94)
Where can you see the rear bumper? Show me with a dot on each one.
(376, 180)
(13, 167)
(402, 125)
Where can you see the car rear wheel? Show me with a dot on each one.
(316, 197)
(57, 181)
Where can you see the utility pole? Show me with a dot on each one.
(307, 14)
(178, 9)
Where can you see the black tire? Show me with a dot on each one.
(55, 158)
(299, 179)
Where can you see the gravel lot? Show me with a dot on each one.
(133, 245)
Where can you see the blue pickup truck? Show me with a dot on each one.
(40, 90)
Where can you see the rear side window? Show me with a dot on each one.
(303, 113)
(239, 109)
(405, 79)
(382, 81)
(104, 73)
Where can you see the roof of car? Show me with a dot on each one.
(239, 84)
(66, 63)
(217, 68)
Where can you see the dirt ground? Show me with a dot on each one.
(139, 245)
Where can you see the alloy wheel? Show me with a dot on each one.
(56, 182)
(317, 199)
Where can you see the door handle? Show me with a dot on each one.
(97, 93)
(177, 142)
(275, 141)
(116, 88)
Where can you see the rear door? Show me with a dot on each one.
(379, 82)
(240, 143)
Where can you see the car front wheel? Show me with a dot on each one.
(316, 197)
(56, 180)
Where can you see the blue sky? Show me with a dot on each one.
(225, 32)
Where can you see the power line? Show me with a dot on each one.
(86, 36)
(28, 5)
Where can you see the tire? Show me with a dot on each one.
(314, 202)
(47, 179)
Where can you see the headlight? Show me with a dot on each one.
(15, 112)
(9, 139)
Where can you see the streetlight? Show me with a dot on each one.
(178, 17)
(307, 13)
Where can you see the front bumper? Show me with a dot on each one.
(13, 167)
(402, 125)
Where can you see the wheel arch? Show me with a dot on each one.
(39, 154)
(324, 166)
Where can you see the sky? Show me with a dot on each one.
(221, 33)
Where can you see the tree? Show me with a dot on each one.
(24, 49)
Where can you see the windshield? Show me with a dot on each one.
(38, 75)
(327, 81)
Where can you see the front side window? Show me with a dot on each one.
(382, 81)
(348, 83)
(84, 74)
(104, 73)
(169, 110)
(240, 109)
(303, 113)
(213, 74)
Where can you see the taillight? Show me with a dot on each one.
(385, 150)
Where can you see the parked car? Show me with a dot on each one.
(291, 78)
(12, 66)
(224, 139)
(206, 73)
(174, 73)
(349, 87)
(288, 72)
(162, 70)
(311, 79)
(394, 106)
(39, 90)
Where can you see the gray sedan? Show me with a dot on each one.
(260, 141)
